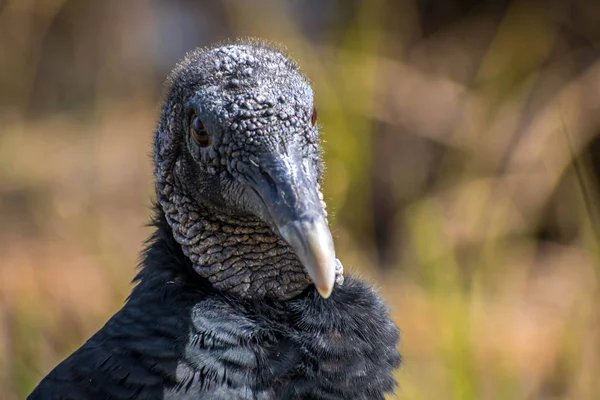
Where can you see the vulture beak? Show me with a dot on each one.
(290, 195)
(311, 240)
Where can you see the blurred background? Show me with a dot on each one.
(463, 152)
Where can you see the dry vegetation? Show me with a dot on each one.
(480, 136)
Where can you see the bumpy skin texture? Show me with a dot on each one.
(237, 90)
(223, 309)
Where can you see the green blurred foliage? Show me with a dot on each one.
(461, 145)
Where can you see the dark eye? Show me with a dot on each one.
(313, 118)
(198, 132)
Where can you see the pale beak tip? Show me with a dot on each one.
(325, 291)
(313, 244)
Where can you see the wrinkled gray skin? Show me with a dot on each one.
(230, 203)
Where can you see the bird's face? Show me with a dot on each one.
(251, 147)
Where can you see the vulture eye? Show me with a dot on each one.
(198, 132)
(313, 119)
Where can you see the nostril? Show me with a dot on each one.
(269, 180)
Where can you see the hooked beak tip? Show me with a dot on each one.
(325, 290)
(311, 240)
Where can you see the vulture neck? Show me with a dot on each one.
(239, 256)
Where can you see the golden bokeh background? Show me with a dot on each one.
(463, 158)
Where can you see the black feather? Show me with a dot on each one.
(177, 338)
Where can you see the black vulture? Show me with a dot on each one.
(240, 295)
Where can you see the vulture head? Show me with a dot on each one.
(238, 169)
